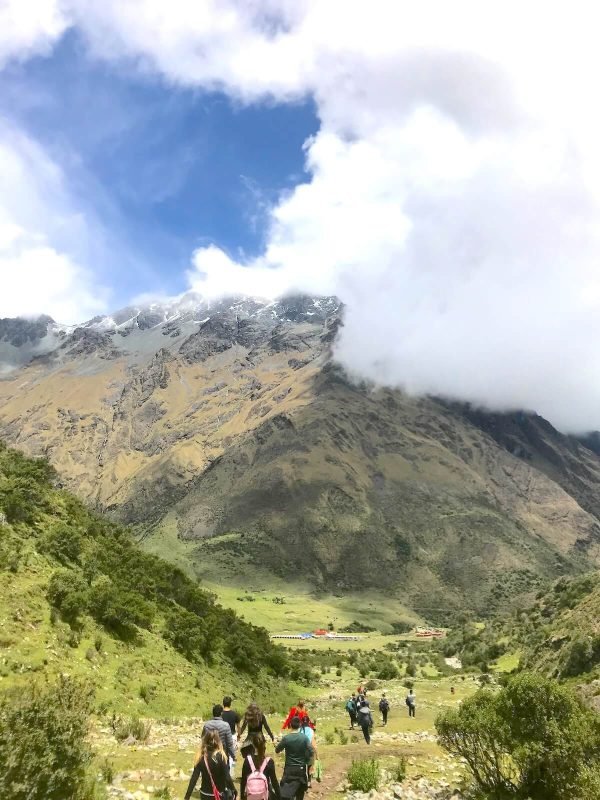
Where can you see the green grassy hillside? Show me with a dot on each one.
(557, 634)
(78, 595)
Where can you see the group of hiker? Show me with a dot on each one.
(223, 738)
(359, 710)
(216, 760)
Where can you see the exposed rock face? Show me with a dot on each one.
(231, 418)
(20, 331)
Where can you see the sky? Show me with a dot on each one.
(435, 165)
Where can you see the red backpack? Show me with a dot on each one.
(257, 785)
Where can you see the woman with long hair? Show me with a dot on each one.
(254, 722)
(212, 766)
(257, 760)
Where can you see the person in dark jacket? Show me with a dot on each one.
(384, 707)
(217, 723)
(298, 754)
(211, 764)
(351, 709)
(365, 720)
(258, 755)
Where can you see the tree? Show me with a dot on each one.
(44, 754)
(531, 740)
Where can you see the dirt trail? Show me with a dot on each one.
(340, 760)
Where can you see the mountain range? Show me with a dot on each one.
(229, 426)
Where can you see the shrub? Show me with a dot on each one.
(134, 728)
(354, 739)
(329, 737)
(364, 775)
(98, 642)
(388, 671)
(531, 740)
(68, 592)
(398, 770)
(342, 736)
(43, 748)
(107, 771)
(411, 669)
(146, 692)
(162, 794)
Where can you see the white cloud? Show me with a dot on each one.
(454, 184)
(41, 232)
(29, 27)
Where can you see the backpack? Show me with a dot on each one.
(384, 705)
(257, 785)
(350, 707)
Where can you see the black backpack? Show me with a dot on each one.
(384, 705)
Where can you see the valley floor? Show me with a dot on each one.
(166, 759)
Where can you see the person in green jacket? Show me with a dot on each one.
(298, 755)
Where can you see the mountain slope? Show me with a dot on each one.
(231, 423)
(78, 594)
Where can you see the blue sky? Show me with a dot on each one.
(450, 173)
(164, 169)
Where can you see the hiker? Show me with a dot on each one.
(365, 720)
(212, 766)
(351, 709)
(233, 719)
(309, 728)
(295, 711)
(298, 753)
(259, 779)
(384, 707)
(255, 722)
(217, 723)
(411, 702)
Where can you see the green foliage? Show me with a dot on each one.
(44, 754)
(388, 671)
(411, 669)
(107, 771)
(329, 737)
(164, 793)
(398, 770)
(582, 655)
(130, 727)
(342, 737)
(531, 740)
(103, 573)
(364, 775)
(68, 592)
(357, 627)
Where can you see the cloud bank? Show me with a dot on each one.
(452, 192)
(39, 230)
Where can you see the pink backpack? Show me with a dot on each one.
(257, 785)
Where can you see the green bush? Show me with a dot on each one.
(398, 770)
(134, 728)
(107, 771)
(329, 737)
(364, 775)
(531, 740)
(342, 737)
(44, 754)
(68, 592)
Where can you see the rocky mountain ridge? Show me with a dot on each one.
(229, 424)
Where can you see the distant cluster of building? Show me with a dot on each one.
(429, 633)
(321, 633)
